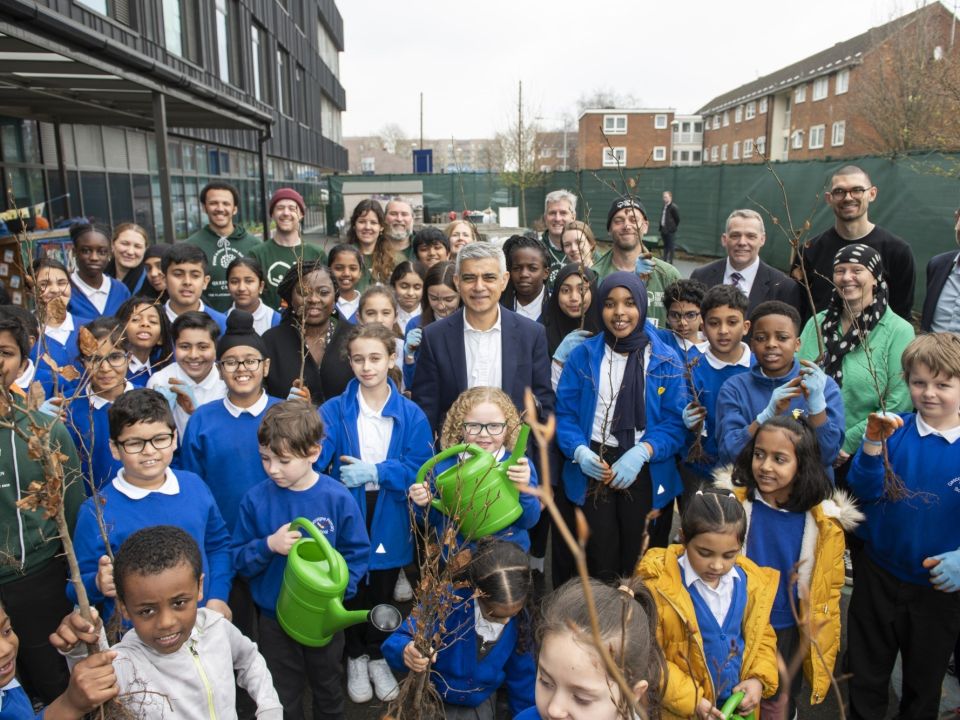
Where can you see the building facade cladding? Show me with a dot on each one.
(625, 138)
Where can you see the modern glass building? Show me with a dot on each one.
(242, 90)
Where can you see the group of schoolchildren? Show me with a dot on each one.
(196, 473)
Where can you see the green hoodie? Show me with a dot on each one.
(29, 539)
(220, 253)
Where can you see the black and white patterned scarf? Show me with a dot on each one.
(835, 344)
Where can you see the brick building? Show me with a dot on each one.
(819, 108)
(556, 150)
(375, 155)
(612, 137)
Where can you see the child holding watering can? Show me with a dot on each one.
(713, 612)
(571, 680)
(487, 418)
(487, 642)
(375, 442)
(289, 439)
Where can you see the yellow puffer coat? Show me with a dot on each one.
(688, 676)
(820, 573)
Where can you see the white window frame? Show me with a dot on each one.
(723, 153)
(751, 110)
(838, 133)
(738, 114)
(659, 153)
(797, 140)
(611, 125)
(763, 105)
(716, 122)
(762, 144)
(842, 84)
(821, 88)
(736, 150)
(800, 94)
(726, 118)
(660, 121)
(714, 153)
(614, 157)
(815, 140)
(222, 39)
(747, 148)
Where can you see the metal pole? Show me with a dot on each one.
(421, 121)
(61, 169)
(163, 165)
(264, 191)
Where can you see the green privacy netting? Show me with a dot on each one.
(916, 199)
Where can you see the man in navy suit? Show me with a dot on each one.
(483, 344)
(941, 307)
(743, 237)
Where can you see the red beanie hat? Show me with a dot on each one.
(288, 194)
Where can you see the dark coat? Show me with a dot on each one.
(938, 270)
(672, 219)
(769, 284)
(284, 350)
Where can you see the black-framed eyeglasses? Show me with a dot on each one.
(134, 446)
(856, 192)
(475, 428)
(233, 364)
(116, 359)
(689, 316)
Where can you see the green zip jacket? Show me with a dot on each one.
(28, 539)
(220, 253)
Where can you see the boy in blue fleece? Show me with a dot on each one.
(907, 577)
(778, 383)
(147, 492)
(289, 439)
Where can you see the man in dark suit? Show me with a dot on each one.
(743, 267)
(941, 307)
(483, 344)
(669, 220)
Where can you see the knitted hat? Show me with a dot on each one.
(621, 203)
(240, 332)
(860, 254)
(288, 194)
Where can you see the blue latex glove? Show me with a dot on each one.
(945, 575)
(567, 345)
(356, 473)
(626, 469)
(815, 381)
(589, 462)
(414, 338)
(694, 415)
(169, 395)
(51, 407)
(776, 396)
(182, 389)
(644, 266)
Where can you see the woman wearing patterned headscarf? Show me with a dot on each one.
(863, 340)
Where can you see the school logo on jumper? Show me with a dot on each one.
(954, 484)
(276, 272)
(324, 524)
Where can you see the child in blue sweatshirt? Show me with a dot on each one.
(907, 577)
(375, 442)
(58, 327)
(94, 294)
(484, 642)
(289, 439)
(778, 382)
(147, 492)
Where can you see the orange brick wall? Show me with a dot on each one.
(640, 139)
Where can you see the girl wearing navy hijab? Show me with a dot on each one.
(619, 411)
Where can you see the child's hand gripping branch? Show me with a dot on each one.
(298, 391)
(880, 426)
(412, 344)
(104, 577)
(73, 630)
(694, 415)
(780, 400)
(356, 473)
(415, 660)
(283, 539)
(814, 383)
(626, 469)
(591, 464)
(92, 680)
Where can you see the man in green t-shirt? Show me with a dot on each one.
(627, 224)
(221, 240)
(281, 252)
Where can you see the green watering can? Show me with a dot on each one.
(477, 489)
(310, 606)
(732, 703)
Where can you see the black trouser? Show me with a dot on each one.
(668, 245)
(782, 704)
(888, 616)
(243, 608)
(35, 605)
(617, 519)
(293, 666)
(562, 565)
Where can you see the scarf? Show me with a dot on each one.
(835, 345)
(630, 409)
(556, 321)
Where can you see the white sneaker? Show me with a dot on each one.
(402, 592)
(384, 682)
(358, 679)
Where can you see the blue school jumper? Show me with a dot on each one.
(224, 451)
(900, 535)
(665, 395)
(64, 354)
(266, 507)
(89, 426)
(745, 396)
(775, 540)
(722, 645)
(391, 541)
(460, 674)
(14, 703)
(192, 508)
(84, 311)
(672, 340)
(408, 370)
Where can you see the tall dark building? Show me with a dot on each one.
(244, 90)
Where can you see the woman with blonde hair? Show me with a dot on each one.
(460, 233)
(128, 245)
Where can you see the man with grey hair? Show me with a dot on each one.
(743, 237)
(559, 208)
(398, 228)
(482, 344)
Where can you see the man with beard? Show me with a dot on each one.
(850, 195)
(627, 224)
(399, 228)
(282, 251)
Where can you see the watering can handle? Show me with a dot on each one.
(325, 547)
(731, 705)
(449, 452)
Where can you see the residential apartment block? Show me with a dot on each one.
(556, 150)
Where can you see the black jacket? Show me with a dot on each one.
(672, 219)
(325, 381)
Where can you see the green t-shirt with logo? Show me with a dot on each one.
(663, 274)
(276, 260)
(221, 251)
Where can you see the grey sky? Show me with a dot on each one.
(466, 57)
